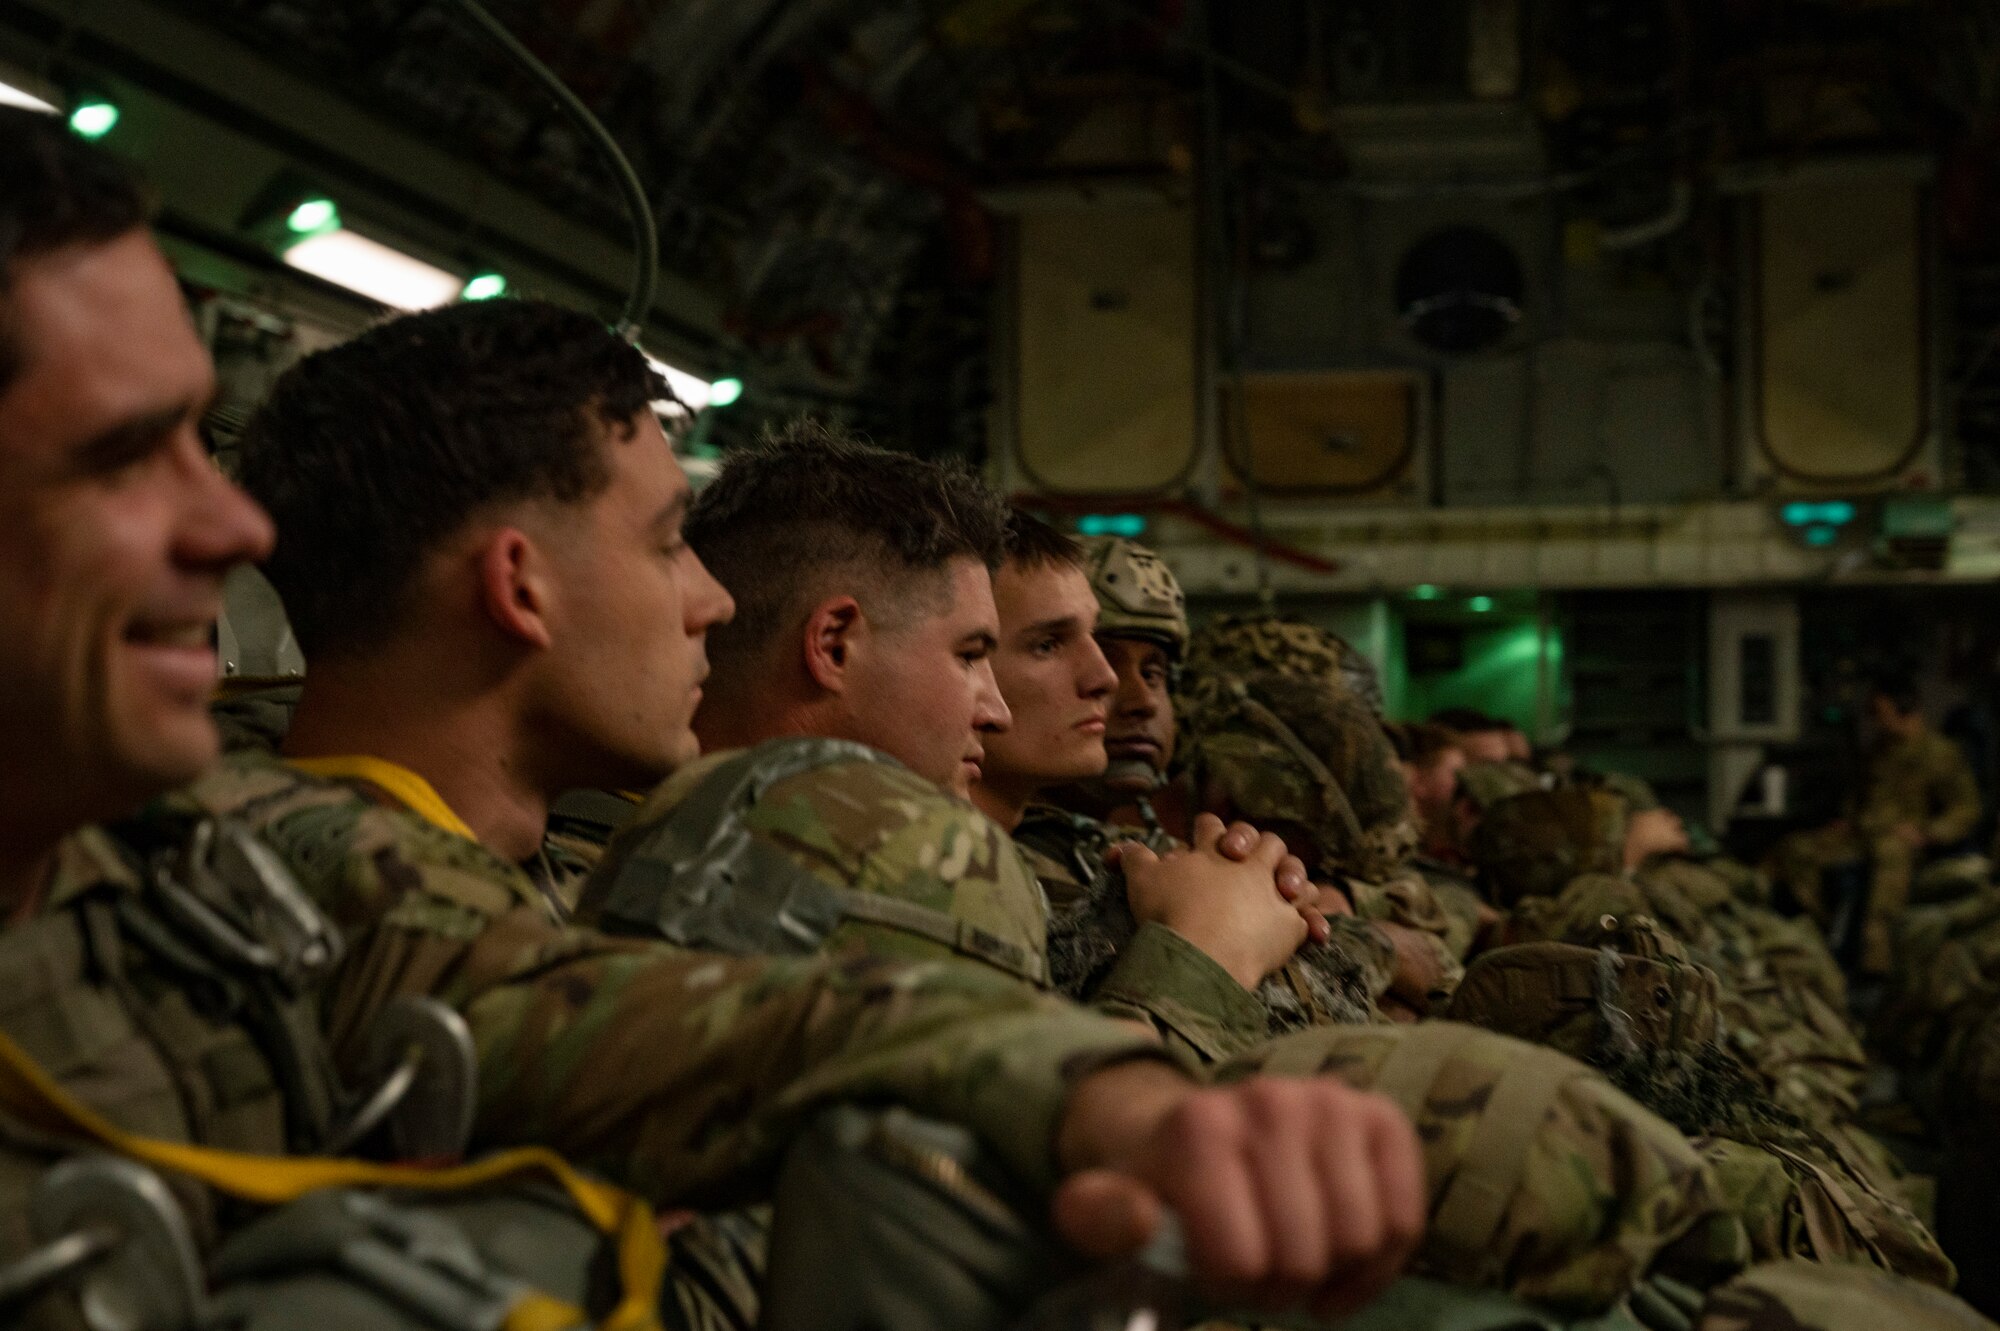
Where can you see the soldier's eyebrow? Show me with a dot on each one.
(1060, 625)
(669, 517)
(129, 440)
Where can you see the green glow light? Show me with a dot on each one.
(1479, 605)
(1424, 592)
(484, 286)
(1820, 536)
(93, 119)
(1111, 524)
(724, 391)
(1817, 513)
(313, 216)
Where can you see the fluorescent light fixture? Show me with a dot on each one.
(21, 97)
(724, 391)
(1480, 604)
(695, 394)
(93, 119)
(374, 270)
(484, 286)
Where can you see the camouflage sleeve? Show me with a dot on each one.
(1957, 798)
(680, 1074)
(1368, 946)
(1168, 983)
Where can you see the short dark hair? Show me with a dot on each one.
(1032, 543)
(372, 453)
(1899, 689)
(787, 513)
(55, 191)
(1468, 721)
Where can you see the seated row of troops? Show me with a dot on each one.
(817, 705)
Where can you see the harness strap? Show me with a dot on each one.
(1496, 1160)
(32, 1095)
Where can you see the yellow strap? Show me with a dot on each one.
(410, 790)
(272, 1180)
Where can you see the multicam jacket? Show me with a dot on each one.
(681, 1075)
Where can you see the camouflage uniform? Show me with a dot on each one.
(700, 1067)
(908, 871)
(1804, 1296)
(1924, 782)
(1307, 761)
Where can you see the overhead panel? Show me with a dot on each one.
(1350, 434)
(1105, 373)
(1840, 336)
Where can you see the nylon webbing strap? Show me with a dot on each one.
(32, 1095)
(1496, 1159)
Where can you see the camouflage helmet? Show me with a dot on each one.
(1534, 844)
(1137, 594)
(1637, 792)
(1486, 784)
(1240, 644)
(1304, 752)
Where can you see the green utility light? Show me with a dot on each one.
(1112, 524)
(93, 119)
(1834, 513)
(1424, 592)
(312, 217)
(1479, 605)
(1819, 536)
(482, 286)
(724, 391)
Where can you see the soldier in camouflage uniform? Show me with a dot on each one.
(1917, 796)
(171, 1009)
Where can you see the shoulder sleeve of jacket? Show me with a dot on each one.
(682, 1075)
(1167, 982)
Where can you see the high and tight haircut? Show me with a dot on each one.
(1034, 544)
(1469, 721)
(1425, 743)
(371, 454)
(55, 191)
(812, 511)
(1899, 688)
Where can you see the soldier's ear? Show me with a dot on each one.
(514, 587)
(830, 635)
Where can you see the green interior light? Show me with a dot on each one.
(724, 391)
(1817, 513)
(313, 216)
(484, 286)
(1112, 524)
(93, 119)
(1819, 536)
(1424, 592)
(1480, 604)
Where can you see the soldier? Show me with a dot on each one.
(1917, 796)
(1116, 943)
(874, 625)
(117, 533)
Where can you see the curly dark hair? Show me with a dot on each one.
(55, 191)
(811, 504)
(370, 454)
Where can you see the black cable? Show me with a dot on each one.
(645, 238)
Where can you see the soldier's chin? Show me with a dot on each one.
(1132, 776)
